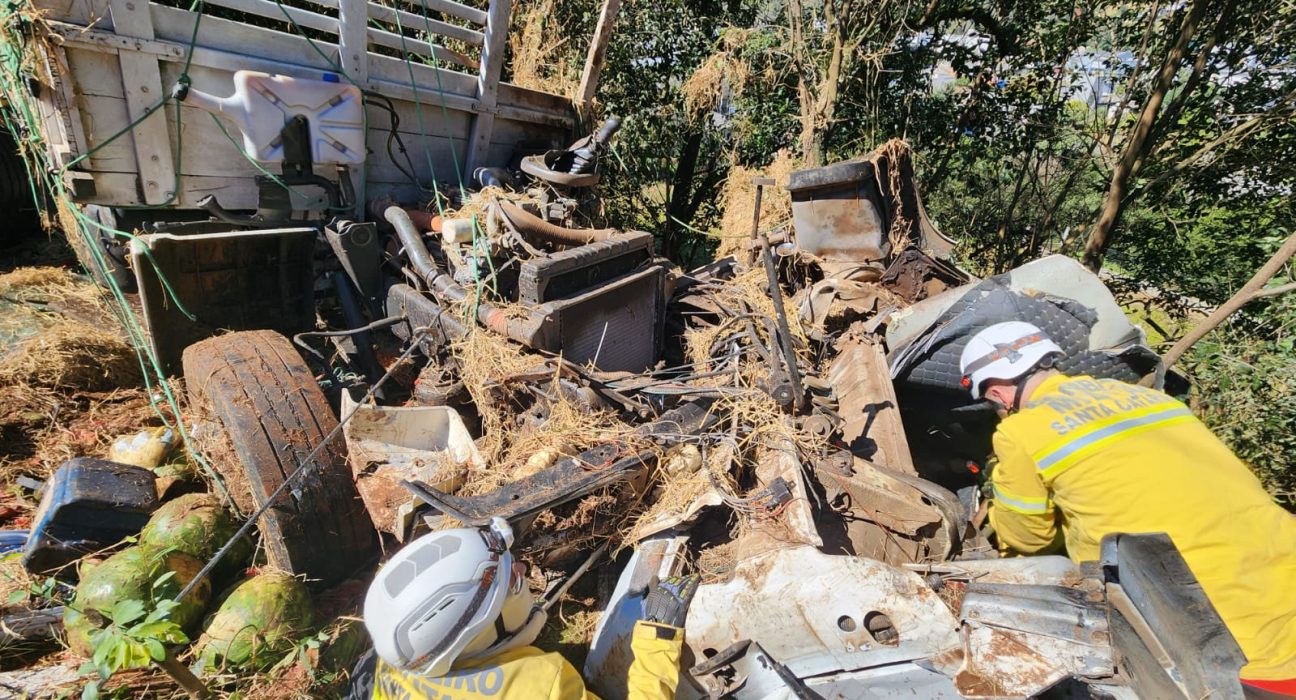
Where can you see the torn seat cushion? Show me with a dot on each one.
(934, 404)
(931, 362)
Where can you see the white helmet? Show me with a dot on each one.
(1004, 351)
(446, 597)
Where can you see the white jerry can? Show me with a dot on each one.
(262, 103)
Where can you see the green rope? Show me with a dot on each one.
(21, 118)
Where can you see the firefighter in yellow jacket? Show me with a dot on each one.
(451, 618)
(1081, 458)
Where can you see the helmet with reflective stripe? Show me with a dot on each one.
(1004, 351)
(446, 597)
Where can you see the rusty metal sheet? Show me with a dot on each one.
(913, 276)
(884, 518)
(866, 400)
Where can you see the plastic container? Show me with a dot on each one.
(263, 103)
(89, 504)
(386, 445)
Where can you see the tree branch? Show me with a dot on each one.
(1114, 203)
(1274, 291)
(1248, 293)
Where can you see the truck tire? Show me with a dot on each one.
(256, 386)
(114, 271)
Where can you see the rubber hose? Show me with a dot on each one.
(538, 230)
(525, 331)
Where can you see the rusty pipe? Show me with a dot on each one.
(424, 221)
(538, 230)
(522, 330)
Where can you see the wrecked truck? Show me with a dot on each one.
(382, 281)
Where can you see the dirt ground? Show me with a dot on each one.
(71, 385)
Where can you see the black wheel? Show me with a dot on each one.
(114, 271)
(21, 218)
(256, 386)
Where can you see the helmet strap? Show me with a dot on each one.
(1019, 388)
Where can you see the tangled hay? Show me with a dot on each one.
(74, 355)
(746, 292)
(739, 199)
(38, 290)
(39, 279)
(568, 430)
(716, 564)
(721, 75)
(484, 359)
(534, 41)
(678, 488)
(487, 362)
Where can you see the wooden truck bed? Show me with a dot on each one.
(105, 63)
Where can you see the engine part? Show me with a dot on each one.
(537, 230)
(356, 246)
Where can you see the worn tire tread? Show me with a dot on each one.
(254, 384)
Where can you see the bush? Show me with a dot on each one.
(1244, 377)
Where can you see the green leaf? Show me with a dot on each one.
(90, 691)
(127, 611)
(156, 651)
(161, 580)
(104, 645)
(16, 597)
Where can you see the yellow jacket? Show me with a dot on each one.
(527, 673)
(1097, 456)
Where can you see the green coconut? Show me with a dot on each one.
(197, 525)
(130, 575)
(261, 620)
(346, 640)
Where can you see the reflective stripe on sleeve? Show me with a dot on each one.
(1020, 504)
(1058, 457)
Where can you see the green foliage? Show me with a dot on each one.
(1245, 390)
(134, 634)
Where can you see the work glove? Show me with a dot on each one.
(667, 602)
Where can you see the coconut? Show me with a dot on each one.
(346, 640)
(261, 619)
(130, 575)
(197, 525)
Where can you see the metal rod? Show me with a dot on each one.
(776, 295)
(760, 183)
(559, 592)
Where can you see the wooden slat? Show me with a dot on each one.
(141, 80)
(82, 12)
(492, 63)
(387, 75)
(455, 9)
(409, 20)
(446, 7)
(417, 46)
(272, 10)
(226, 44)
(594, 58)
(59, 114)
(436, 84)
(109, 42)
